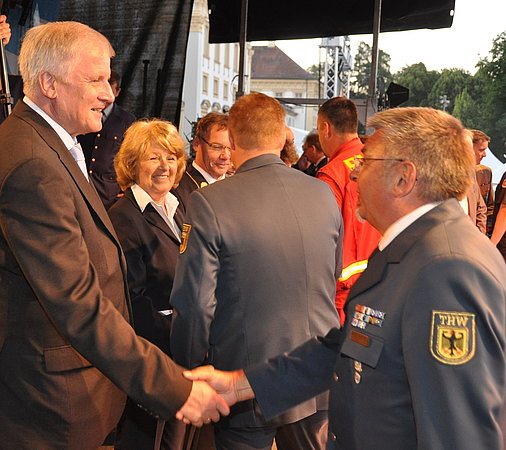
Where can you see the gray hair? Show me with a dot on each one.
(438, 145)
(52, 47)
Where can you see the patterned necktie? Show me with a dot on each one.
(77, 153)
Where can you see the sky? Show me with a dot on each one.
(476, 23)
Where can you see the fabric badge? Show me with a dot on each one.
(350, 162)
(185, 233)
(203, 184)
(453, 337)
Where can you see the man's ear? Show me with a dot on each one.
(47, 84)
(231, 139)
(326, 128)
(404, 178)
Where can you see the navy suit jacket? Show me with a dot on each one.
(100, 149)
(396, 384)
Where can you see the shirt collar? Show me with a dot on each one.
(143, 199)
(404, 222)
(206, 176)
(345, 147)
(107, 111)
(67, 139)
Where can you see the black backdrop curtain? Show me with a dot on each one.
(150, 38)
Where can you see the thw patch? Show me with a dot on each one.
(185, 234)
(452, 337)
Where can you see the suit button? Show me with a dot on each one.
(115, 138)
(335, 377)
(91, 171)
(98, 134)
(333, 437)
(95, 147)
(93, 159)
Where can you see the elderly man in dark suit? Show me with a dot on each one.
(420, 363)
(67, 350)
(257, 273)
(101, 147)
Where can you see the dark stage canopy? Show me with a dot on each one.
(299, 19)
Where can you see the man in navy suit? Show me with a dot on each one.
(101, 147)
(420, 362)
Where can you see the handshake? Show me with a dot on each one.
(213, 392)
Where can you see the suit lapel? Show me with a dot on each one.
(153, 217)
(52, 139)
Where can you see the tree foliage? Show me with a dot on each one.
(492, 74)
(419, 81)
(362, 70)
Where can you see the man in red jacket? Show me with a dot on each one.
(337, 131)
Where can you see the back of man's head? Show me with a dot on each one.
(341, 113)
(52, 48)
(208, 121)
(438, 145)
(257, 122)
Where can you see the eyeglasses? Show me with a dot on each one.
(360, 161)
(216, 147)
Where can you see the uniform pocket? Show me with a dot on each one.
(362, 347)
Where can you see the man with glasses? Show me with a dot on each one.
(212, 156)
(337, 132)
(420, 362)
(314, 153)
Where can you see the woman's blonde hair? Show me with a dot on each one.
(138, 139)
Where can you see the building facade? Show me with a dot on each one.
(275, 73)
(211, 72)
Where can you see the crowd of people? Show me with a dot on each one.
(354, 298)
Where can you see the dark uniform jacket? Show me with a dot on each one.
(422, 354)
(66, 347)
(257, 273)
(151, 251)
(101, 148)
(192, 180)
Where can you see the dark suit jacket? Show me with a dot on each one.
(258, 274)
(66, 347)
(313, 168)
(398, 386)
(192, 180)
(151, 251)
(101, 148)
(477, 207)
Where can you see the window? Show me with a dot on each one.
(278, 94)
(216, 87)
(205, 83)
(225, 90)
(298, 95)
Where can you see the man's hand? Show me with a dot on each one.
(5, 30)
(202, 406)
(232, 386)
